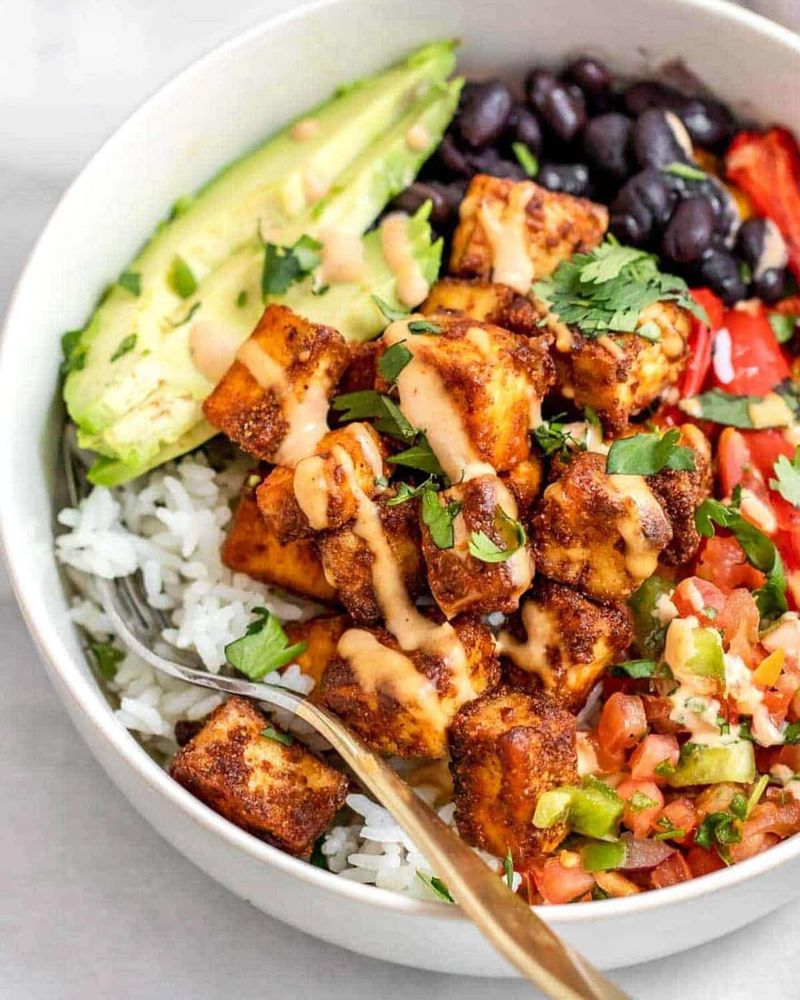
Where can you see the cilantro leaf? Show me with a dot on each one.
(635, 668)
(126, 345)
(720, 829)
(791, 734)
(189, 313)
(608, 260)
(131, 281)
(482, 547)
(647, 454)
(406, 492)
(721, 407)
(278, 736)
(370, 405)
(181, 279)
(394, 360)
(759, 550)
(783, 326)
(526, 158)
(638, 802)
(418, 456)
(73, 353)
(552, 438)
(388, 311)
(439, 518)
(107, 657)
(436, 886)
(423, 326)
(684, 170)
(263, 648)
(787, 481)
(283, 266)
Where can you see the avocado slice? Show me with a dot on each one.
(267, 188)
(175, 423)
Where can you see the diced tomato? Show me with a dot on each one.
(702, 861)
(696, 596)
(652, 751)
(638, 816)
(777, 701)
(756, 359)
(622, 722)
(789, 756)
(751, 844)
(670, 872)
(701, 340)
(681, 815)
(657, 710)
(722, 561)
(559, 884)
(739, 623)
(766, 166)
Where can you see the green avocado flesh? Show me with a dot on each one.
(131, 387)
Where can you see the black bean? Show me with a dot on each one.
(688, 232)
(750, 239)
(643, 206)
(538, 84)
(523, 126)
(570, 178)
(563, 112)
(647, 94)
(489, 161)
(483, 112)
(656, 139)
(606, 142)
(760, 243)
(453, 159)
(708, 122)
(591, 76)
(770, 285)
(415, 196)
(724, 207)
(720, 271)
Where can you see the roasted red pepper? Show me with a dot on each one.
(756, 362)
(766, 166)
(701, 341)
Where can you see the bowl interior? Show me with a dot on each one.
(214, 111)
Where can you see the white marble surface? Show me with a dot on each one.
(92, 902)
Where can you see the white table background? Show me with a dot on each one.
(92, 902)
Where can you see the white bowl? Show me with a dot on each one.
(206, 116)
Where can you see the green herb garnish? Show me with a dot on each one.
(189, 313)
(553, 438)
(783, 326)
(418, 456)
(483, 548)
(263, 648)
(787, 481)
(394, 360)
(423, 326)
(791, 734)
(508, 868)
(408, 492)
(526, 159)
(684, 170)
(647, 454)
(635, 668)
(277, 736)
(719, 829)
(126, 345)
(181, 279)
(73, 354)
(638, 802)
(389, 312)
(107, 657)
(722, 407)
(370, 405)
(439, 518)
(436, 886)
(241, 299)
(283, 266)
(131, 281)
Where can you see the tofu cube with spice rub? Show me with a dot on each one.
(506, 749)
(562, 642)
(602, 534)
(271, 787)
(487, 301)
(619, 375)
(514, 232)
(400, 702)
(273, 400)
(252, 547)
(321, 636)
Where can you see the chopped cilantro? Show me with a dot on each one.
(418, 456)
(278, 736)
(738, 805)
(513, 533)
(638, 802)
(684, 170)
(756, 793)
(283, 266)
(721, 407)
(131, 281)
(73, 353)
(126, 345)
(107, 657)
(647, 454)
(666, 829)
(394, 360)
(665, 768)
(263, 648)
(718, 829)
(181, 279)
(526, 158)
(439, 518)
(552, 438)
(635, 668)
(388, 311)
(436, 886)
(607, 289)
(241, 299)
(189, 313)
(791, 734)
(787, 481)
(423, 326)
(406, 492)
(370, 405)
(783, 326)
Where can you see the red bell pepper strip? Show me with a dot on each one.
(766, 166)
(756, 361)
(701, 340)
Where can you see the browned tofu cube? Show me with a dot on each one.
(486, 301)
(524, 482)
(602, 534)
(273, 400)
(506, 749)
(401, 702)
(320, 494)
(359, 373)
(515, 232)
(251, 547)
(281, 794)
(459, 581)
(618, 376)
(321, 636)
(349, 563)
(562, 642)
(484, 378)
(681, 493)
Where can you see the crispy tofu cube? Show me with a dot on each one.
(562, 641)
(348, 561)
(320, 485)
(400, 703)
(506, 749)
(251, 547)
(621, 375)
(459, 582)
(321, 636)
(359, 374)
(681, 493)
(486, 301)
(273, 400)
(491, 379)
(513, 232)
(281, 794)
(524, 483)
(602, 534)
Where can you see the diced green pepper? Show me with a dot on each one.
(601, 855)
(596, 809)
(707, 660)
(553, 807)
(713, 765)
(648, 631)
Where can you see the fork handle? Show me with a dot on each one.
(506, 920)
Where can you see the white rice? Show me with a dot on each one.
(170, 525)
